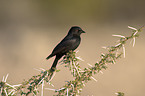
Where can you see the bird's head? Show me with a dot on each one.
(76, 31)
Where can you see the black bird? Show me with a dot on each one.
(70, 42)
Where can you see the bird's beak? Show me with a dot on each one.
(83, 31)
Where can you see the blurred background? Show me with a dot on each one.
(30, 29)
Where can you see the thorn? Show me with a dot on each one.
(10, 85)
(3, 79)
(123, 50)
(119, 36)
(116, 93)
(77, 70)
(104, 47)
(42, 88)
(135, 33)
(133, 41)
(80, 58)
(6, 77)
(6, 92)
(36, 69)
(67, 91)
(132, 28)
(118, 44)
(90, 65)
(94, 79)
(77, 51)
(51, 84)
(54, 89)
(101, 72)
(72, 86)
(17, 85)
(50, 89)
(10, 92)
(42, 69)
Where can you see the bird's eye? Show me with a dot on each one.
(79, 30)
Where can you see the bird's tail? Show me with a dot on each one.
(53, 67)
(49, 56)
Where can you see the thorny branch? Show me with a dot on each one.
(81, 76)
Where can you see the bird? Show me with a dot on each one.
(70, 42)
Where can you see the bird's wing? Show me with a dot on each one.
(63, 47)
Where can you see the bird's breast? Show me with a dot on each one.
(75, 43)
